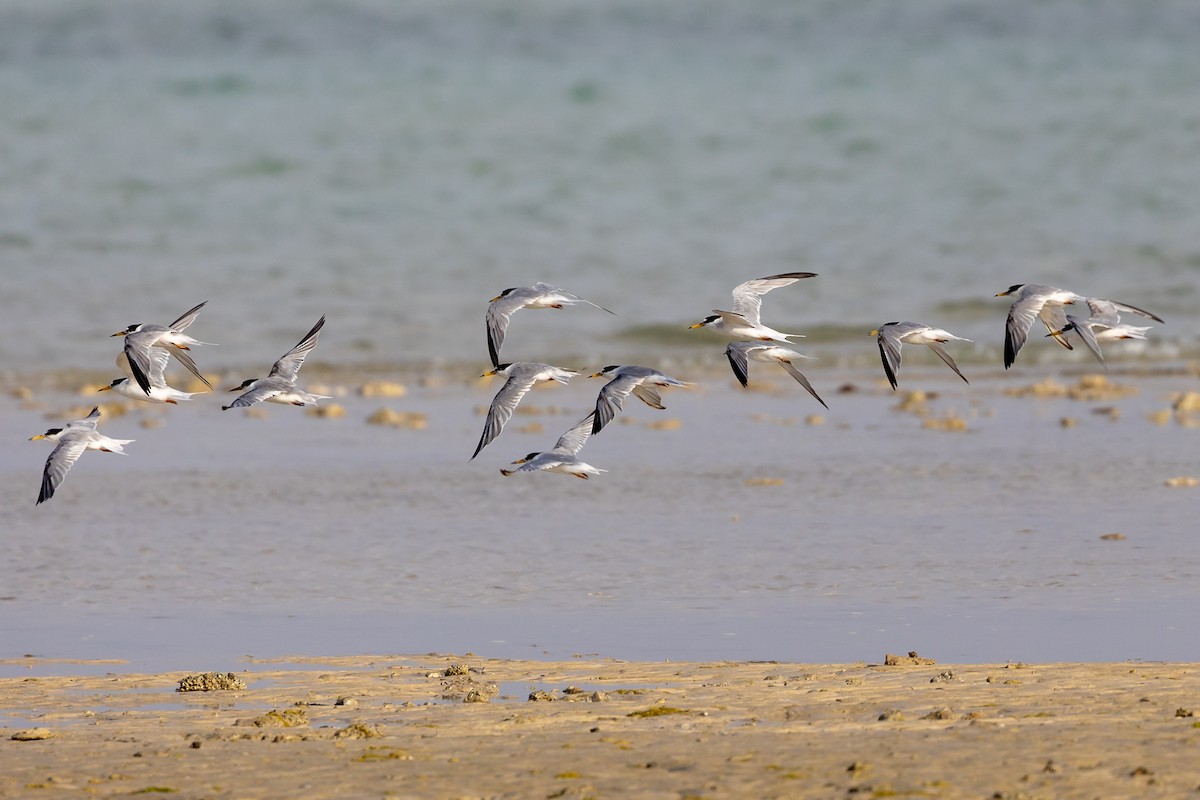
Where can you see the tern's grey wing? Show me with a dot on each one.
(265, 389)
(542, 288)
(612, 399)
(1135, 310)
(889, 352)
(944, 356)
(64, 455)
(187, 318)
(89, 422)
(736, 352)
(1103, 312)
(499, 312)
(158, 365)
(803, 381)
(590, 303)
(649, 395)
(573, 440)
(747, 297)
(137, 352)
(288, 365)
(185, 359)
(503, 405)
(1020, 319)
(123, 364)
(1084, 330)
(1054, 317)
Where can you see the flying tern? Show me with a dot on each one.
(1104, 325)
(522, 376)
(140, 337)
(159, 392)
(564, 457)
(504, 305)
(642, 382)
(70, 442)
(744, 322)
(892, 335)
(280, 385)
(741, 353)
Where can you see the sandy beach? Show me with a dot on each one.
(460, 726)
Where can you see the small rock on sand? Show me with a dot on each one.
(912, 659)
(331, 411)
(1182, 481)
(413, 420)
(382, 389)
(288, 718)
(32, 735)
(358, 731)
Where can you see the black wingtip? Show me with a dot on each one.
(139, 375)
(46, 492)
(887, 368)
(492, 351)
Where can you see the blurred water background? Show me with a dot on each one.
(396, 164)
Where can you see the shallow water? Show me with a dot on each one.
(393, 165)
(745, 533)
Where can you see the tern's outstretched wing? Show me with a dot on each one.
(737, 353)
(889, 352)
(803, 381)
(747, 297)
(503, 405)
(61, 459)
(187, 318)
(573, 440)
(288, 366)
(944, 356)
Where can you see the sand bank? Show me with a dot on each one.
(408, 726)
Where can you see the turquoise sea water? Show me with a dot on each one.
(394, 165)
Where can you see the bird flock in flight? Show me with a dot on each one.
(143, 359)
(148, 348)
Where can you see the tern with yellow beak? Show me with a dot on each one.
(641, 382)
(1104, 325)
(564, 457)
(159, 392)
(70, 442)
(140, 337)
(744, 322)
(1034, 301)
(522, 376)
(740, 354)
(892, 335)
(280, 385)
(504, 305)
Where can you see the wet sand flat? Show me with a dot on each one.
(408, 726)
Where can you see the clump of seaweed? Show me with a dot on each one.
(211, 682)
